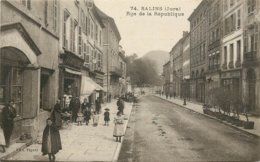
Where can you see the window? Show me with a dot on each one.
(91, 29)
(65, 18)
(86, 53)
(11, 85)
(238, 19)
(55, 12)
(80, 41)
(100, 38)
(251, 6)
(232, 2)
(96, 32)
(44, 96)
(225, 5)
(239, 50)
(73, 25)
(231, 53)
(226, 25)
(27, 4)
(233, 22)
(46, 13)
(88, 25)
(225, 54)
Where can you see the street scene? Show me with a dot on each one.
(129, 80)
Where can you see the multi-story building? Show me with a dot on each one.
(111, 39)
(214, 36)
(81, 51)
(186, 65)
(251, 63)
(198, 49)
(29, 62)
(167, 77)
(176, 68)
(232, 46)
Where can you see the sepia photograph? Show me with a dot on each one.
(129, 80)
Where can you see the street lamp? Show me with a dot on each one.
(107, 72)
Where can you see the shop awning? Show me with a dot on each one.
(72, 71)
(88, 86)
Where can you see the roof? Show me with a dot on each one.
(94, 9)
(197, 9)
(111, 21)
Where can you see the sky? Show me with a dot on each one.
(141, 34)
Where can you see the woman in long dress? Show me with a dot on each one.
(119, 126)
(51, 142)
(56, 114)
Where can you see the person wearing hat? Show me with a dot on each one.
(106, 117)
(51, 141)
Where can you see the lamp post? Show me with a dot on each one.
(107, 73)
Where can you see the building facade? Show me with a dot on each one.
(198, 49)
(111, 39)
(214, 37)
(186, 65)
(232, 46)
(29, 62)
(251, 56)
(167, 78)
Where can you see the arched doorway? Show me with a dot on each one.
(251, 80)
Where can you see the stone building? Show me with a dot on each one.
(251, 53)
(198, 49)
(111, 65)
(29, 61)
(167, 77)
(176, 68)
(186, 65)
(81, 51)
(232, 46)
(214, 37)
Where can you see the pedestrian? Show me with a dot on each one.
(119, 126)
(56, 114)
(95, 117)
(80, 117)
(74, 107)
(8, 115)
(98, 105)
(2, 139)
(51, 142)
(106, 117)
(86, 109)
(121, 105)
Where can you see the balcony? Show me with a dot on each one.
(250, 58)
(231, 65)
(224, 66)
(238, 63)
(115, 71)
(214, 44)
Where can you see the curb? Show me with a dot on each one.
(223, 122)
(4, 158)
(119, 145)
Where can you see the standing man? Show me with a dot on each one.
(9, 113)
(98, 105)
(74, 107)
(121, 105)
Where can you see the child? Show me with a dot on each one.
(95, 119)
(51, 142)
(119, 126)
(2, 139)
(106, 117)
(80, 118)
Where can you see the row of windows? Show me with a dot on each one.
(232, 23)
(231, 52)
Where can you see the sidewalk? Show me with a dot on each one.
(83, 143)
(198, 108)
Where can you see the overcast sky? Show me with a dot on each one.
(141, 34)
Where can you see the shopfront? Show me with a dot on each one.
(70, 77)
(19, 77)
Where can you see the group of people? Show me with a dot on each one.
(168, 95)
(51, 141)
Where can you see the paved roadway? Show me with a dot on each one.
(162, 131)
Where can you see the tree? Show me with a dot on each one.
(142, 71)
